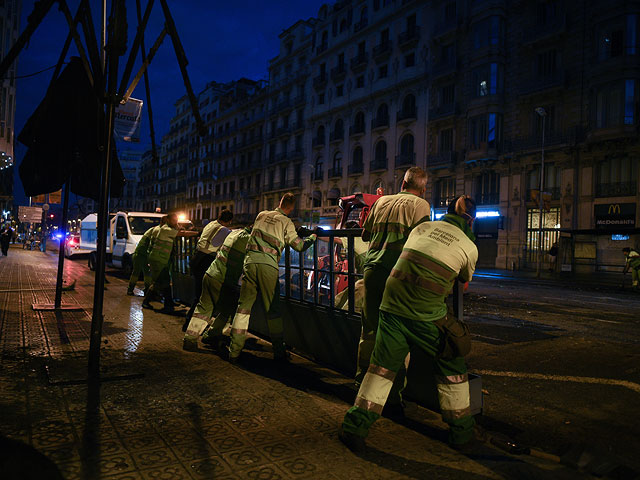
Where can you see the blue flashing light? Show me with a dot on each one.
(438, 216)
(618, 238)
(488, 213)
(58, 236)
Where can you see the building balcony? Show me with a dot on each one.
(441, 160)
(283, 185)
(380, 122)
(405, 159)
(356, 130)
(444, 68)
(318, 142)
(321, 47)
(409, 38)
(482, 151)
(378, 164)
(407, 116)
(441, 29)
(336, 136)
(335, 172)
(360, 25)
(355, 169)
(280, 157)
(317, 175)
(538, 84)
(281, 131)
(296, 154)
(299, 100)
(479, 6)
(442, 111)
(359, 62)
(492, 198)
(543, 31)
(222, 197)
(339, 72)
(295, 126)
(382, 51)
(320, 82)
(534, 142)
(620, 189)
(284, 104)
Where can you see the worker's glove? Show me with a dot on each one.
(304, 232)
(319, 231)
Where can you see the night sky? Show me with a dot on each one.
(223, 41)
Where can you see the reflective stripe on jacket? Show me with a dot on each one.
(143, 244)
(272, 231)
(390, 220)
(435, 254)
(212, 237)
(161, 244)
(227, 266)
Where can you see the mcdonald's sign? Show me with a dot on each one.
(615, 216)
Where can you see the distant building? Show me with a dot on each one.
(9, 22)
(130, 162)
(463, 89)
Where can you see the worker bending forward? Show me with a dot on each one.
(390, 220)
(412, 313)
(272, 231)
(632, 263)
(160, 255)
(141, 260)
(219, 291)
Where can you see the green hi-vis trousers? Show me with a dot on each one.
(160, 282)
(396, 335)
(374, 282)
(258, 279)
(140, 265)
(215, 297)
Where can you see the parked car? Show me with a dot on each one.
(72, 245)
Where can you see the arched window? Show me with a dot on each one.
(317, 171)
(343, 25)
(337, 162)
(381, 151)
(383, 112)
(406, 145)
(320, 133)
(359, 120)
(409, 105)
(363, 14)
(317, 198)
(357, 157)
(338, 130)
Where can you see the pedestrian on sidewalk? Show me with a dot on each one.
(553, 257)
(160, 255)
(272, 231)
(633, 264)
(5, 239)
(387, 227)
(211, 238)
(413, 313)
(141, 259)
(219, 292)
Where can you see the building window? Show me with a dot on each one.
(487, 80)
(447, 94)
(360, 81)
(410, 60)
(617, 177)
(357, 157)
(321, 99)
(339, 90)
(318, 170)
(547, 63)
(445, 143)
(487, 188)
(317, 199)
(383, 71)
(552, 182)
(616, 104)
(450, 12)
(618, 38)
(409, 106)
(337, 162)
(406, 147)
(485, 131)
(550, 234)
(487, 32)
(381, 152)
(445, 192)
(549, 122)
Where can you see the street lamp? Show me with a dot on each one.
(543, 113)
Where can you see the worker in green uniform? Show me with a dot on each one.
(272, 231)
(141, 260)
(160, 254)
(210, 241)
(386, 228)
(413, 314)
(633, 264)
(219, 291)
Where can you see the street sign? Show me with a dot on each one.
(30, 214)
(40, 198)
(55, 197)
(615, 216)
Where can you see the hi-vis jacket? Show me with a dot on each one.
(272, 231)
(390, 220)
(633, 260)
(161, 244)
(227, 267)
(435, 254)
(143, 244)
(212, 237)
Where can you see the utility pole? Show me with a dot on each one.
(543, 113)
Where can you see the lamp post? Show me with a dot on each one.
(543, 113)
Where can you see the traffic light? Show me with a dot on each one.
(51, 216)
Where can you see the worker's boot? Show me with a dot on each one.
(353, 442)
(190, 343)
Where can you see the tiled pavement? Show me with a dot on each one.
(192, 415)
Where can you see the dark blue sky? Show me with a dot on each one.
(223, 41)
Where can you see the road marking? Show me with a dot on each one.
(605, 321)
(563, 378)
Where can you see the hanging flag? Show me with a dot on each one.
(127, 121)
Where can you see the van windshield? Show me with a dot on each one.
(139, 225)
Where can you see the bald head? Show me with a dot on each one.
(415, 181)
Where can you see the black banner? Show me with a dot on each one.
(615, 216)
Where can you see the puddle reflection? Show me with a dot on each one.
(134, 334)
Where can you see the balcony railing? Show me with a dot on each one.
(542, 31)
(317, 175)
(445, 67)
(318, 142)
(336, 136)
(322, 47)
(442, 28)
(320, 81)
(282, 185)
(442, 111)
(339, 72)
(357, 129)
(296, 154)
(382, 50)
(534, 142)
(380, 122)
(487, 198)
(355, 169)
(360, 25)
(335, 172)
(405, 159)
(408, 115)
(378, 164)
(536, 84)
(409, 37)
(441, 159)
(359, 62)
(620, 189)
(300, 99)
